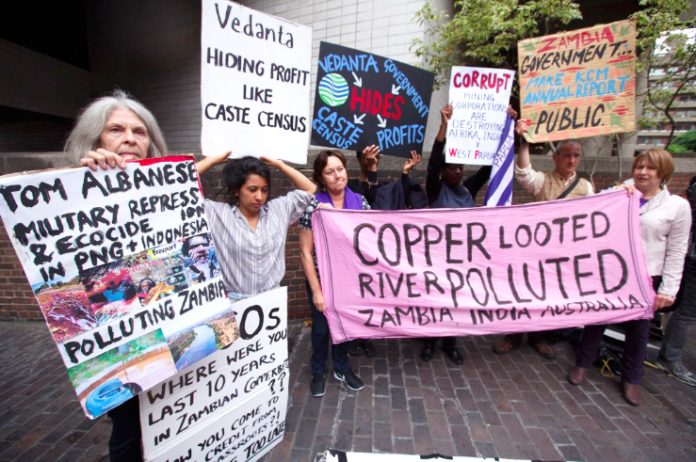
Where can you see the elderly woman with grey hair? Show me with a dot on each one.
(114, 129)
(108, 132)
(249, 231)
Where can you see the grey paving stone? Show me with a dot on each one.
(516, 406)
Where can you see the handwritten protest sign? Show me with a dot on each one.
(255, 83)
(482, 271)
(124, 271)
(337, 455)
(365, 99)
(579, 83)
(480, 98)
(231, 405)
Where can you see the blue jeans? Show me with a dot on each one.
(683, 316)
(320, 343)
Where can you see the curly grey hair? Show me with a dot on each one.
(85, 134)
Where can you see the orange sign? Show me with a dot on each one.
(579, 83)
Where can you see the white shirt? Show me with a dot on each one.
(253, 261)
(665, 223)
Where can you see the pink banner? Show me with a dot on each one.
(447, 272)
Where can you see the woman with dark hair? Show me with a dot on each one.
(331, 176)
(249, 232)
(665, 221)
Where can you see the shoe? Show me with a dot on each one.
(631, 393)
(577, 375)
(454, 355)
(368, 348)
(352, 381)
(427, 352)
(545, 350)
(355, 348)
(317, 385)
(678, 370)
(505, 347)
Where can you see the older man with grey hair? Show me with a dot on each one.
(560, 183)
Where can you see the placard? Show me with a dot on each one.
(124, 270)
(230, 406)
(479, 97)
(363, 99)
(255, 83)
(579, 83)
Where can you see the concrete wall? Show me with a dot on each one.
(158, 61)
(34, 82)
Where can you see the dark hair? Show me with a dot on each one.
(359, 152)
(237, 171)
(186, 248)
(321, 161)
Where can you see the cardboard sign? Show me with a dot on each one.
(365, 99)
(449, 272)
(124, 270)
(230, 406)
(480, 98)
(579, 83)
(255, 83)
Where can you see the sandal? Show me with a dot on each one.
(505, 347)
(545, 350)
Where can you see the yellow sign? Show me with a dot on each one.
(579, 83)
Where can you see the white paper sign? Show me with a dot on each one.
(232, 404)
(255, 83)
(480, 98)
(333, 455)
(124, 270)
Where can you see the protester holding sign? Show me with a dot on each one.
(446, 189)
(665, 221)
(110, 131)
(400, 194)
(562, 182)
(248, 231)
(369, 186)
(331, 175)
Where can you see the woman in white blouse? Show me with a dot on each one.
(665, 222)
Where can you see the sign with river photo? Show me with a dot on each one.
(124, 271)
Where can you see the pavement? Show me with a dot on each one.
(515, 406)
